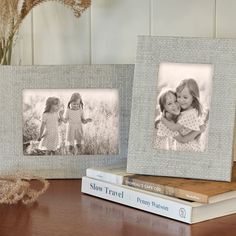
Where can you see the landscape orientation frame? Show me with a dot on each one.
(15, 79)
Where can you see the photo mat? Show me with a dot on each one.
(215, 162)
(16, 80)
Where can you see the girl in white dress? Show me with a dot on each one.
(48, 135)
(190, 117)
(75, 118)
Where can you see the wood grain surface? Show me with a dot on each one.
(64, 211)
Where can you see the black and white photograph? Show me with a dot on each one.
(183, 107)
(70, 122)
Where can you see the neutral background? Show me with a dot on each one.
(107, 32)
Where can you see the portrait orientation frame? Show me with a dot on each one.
(14, 79)
(216, 162)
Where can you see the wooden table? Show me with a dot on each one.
(64, 211)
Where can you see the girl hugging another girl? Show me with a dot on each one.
(170, 109)
(74, 116)
(187, 126)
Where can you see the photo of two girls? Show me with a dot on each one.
(183, 107)
(69, 122)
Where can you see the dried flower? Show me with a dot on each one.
(14, 189)
(13, 12)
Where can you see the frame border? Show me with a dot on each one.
(216, 162)
(14, 79)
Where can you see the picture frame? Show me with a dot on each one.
(25, 83)
(154, 56)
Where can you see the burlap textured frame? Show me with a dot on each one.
(13, 80)
(216, 162)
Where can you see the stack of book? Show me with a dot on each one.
(186, 200)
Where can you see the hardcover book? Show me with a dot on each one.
(188, 189)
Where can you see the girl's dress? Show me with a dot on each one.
(191, 122)
(50, 140)
(164, 138)
(74, 128)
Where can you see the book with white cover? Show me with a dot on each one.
(112, 174)
(185, 211)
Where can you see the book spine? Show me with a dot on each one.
(164, 189)
(136, 183)
(149, 202)
(104, 176)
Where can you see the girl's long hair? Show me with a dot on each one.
(50, 102)
(162, 102)
(74, 98)
(162, 99)
(192, 85)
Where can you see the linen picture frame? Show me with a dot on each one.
(35, 100)
(183, 108)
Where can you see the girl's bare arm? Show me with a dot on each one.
(62, 118)
(172, 126)
(191, 135)
(42, 127)
(188, 137)
(85, 121)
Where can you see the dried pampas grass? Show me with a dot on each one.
(13, 12)
(14, 189)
